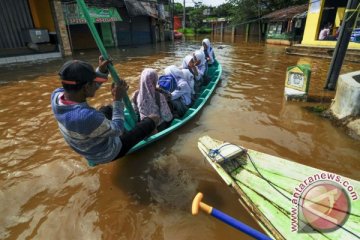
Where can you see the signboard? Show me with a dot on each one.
(74, 15)
(298, 78)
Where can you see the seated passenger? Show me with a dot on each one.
(181, 96)
(189, 63)
(325, 32)
(200, 62)
(208, 51)
(147, 101)
(190, 79)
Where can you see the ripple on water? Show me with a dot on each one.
(53, 193)
(49, 193)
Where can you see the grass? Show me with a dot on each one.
(192, 32)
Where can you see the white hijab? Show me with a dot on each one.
(207, 43)
(189, 77)
(209, 50)
(176, 73)
(185, 63)
(200, 55)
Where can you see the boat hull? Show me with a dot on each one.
(271, 206)
(214, 72)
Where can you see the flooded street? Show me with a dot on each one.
(49, 192)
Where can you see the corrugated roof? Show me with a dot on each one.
(287, 13)
(141, 8)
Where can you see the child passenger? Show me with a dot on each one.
(181, 96)
(200, 62)
(208, 51)
(189, 63)
(147, 101)
(190, 79)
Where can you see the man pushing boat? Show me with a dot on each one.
(88, 131)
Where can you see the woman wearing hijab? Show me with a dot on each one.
(181, 96)
(147, 101)
(200, 62)
(189, 77)
(208, 51)
(188, 63)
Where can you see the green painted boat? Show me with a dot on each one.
(214, 72)
(281, 197)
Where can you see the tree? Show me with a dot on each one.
(196, 17)
(223, 10)
(178, 8)
(243, 10)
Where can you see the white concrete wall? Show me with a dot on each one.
(347, 98)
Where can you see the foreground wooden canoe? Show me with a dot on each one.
(214, 72)
(252, 173)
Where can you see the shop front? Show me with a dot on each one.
(80, 36)
(27, 28)
(327, 14)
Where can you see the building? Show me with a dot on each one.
(128, 22)
(285, 26)
(39, 29)
(321, 13)
(28, 31)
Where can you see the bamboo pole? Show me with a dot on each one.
(99, 43)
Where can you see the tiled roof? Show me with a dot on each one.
(286, 13)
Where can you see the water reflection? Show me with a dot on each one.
(48, 190)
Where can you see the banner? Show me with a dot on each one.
(73, 15)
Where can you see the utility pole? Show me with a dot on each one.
(342, 44)
(259, 21)
(172, 19)
(183, 20)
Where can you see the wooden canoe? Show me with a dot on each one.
(214, 72)
(266, 184)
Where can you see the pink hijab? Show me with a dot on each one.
(146, 101)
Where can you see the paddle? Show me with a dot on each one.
(115, 76)
(225, 218)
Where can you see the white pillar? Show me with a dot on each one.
(347, 98)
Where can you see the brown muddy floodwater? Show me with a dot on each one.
(49, 192)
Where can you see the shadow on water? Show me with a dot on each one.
(156, 173)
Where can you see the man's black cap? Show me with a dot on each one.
(76, 72)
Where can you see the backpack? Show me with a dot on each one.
(167, 82)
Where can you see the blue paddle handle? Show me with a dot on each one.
(238, 225)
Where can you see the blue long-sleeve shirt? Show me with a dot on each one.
(88, 131)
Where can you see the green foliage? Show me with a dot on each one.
(196, 17)
(243, 10)
(204, 30)
(187, 31)
(178, 8)
(223, 10)
(191, 31)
